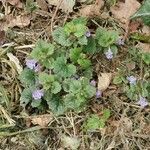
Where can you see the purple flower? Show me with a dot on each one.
(93, 83)
(37, 94)
(32, 64)
(120, 41)
(142, 102)
(132, 80)
(98, 94)
(88, 34)
(109, 54)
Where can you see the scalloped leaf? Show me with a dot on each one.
(143, 12)
(27, 77)
(61, 37)
(26, 97)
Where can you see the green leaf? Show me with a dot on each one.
(146, 58)
(145, 88)
(94, 122)
(31, 5)
(80, 30)
(106, 114)
(75, 102)
(63, 69)
(60, 36)
(36, 103)
(106, 38)
(89, 91)
(66, 85)
(140, 37)
(26, 96)
(114, 49)
(27, 77)
(43, 53)
(69, 101)
(56, 87)
(75, 54)
(84, 63)
(76, 26)
(80, 20)
(75, 86)
(82, 40)
(88, 73)
(60, 65)
(69, 28)
(42, 50)
(117, 80)
(101, 123)
(71, 70)
(90, 47)
(55, 103)
(131, 92)
(79, 93)
(46, 80)
(143, 12)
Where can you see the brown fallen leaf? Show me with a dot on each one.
(16, 62)
(42, 4)
(20, 21)
(53, 2)
(145, 47)
(70, 142)
(104, 80)
(133, 26)
(92, 10)
(12, 21)
(124, 10)
(41, 120)
(66, 5)
(146, 30)
(131, 65)
(16, 3)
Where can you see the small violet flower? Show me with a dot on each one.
(120, 41)
(88, 34)
(109, 54)
(37, 94)
(98, 94)
(142, 102)
(32, 64)
(93, 83)
(132, 80)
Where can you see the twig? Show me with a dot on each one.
(24, 46)
(139, 135)
(52, 20)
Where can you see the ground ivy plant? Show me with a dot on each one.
(135, 87)
(58, 74)
(95, 122)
